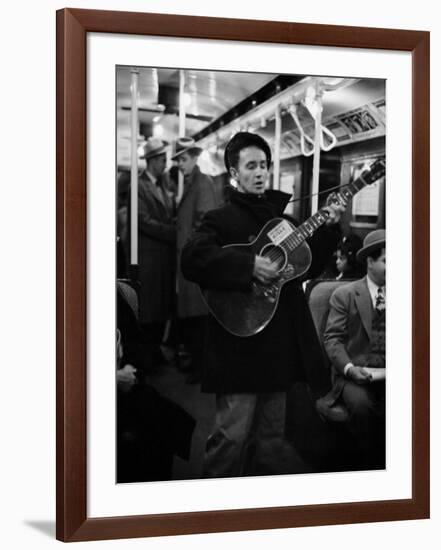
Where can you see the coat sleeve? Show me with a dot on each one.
(152, 227)
(205, 201)
(206, 262)
(336, 333)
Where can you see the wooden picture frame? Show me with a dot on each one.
(73, 524)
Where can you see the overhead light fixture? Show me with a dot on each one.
(158, 130)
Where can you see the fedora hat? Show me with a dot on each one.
(373, 241)
(154, 147)
(186, 145)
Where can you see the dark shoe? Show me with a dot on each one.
(331, 412)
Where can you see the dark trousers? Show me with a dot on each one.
(248, 435)
(366, 406)
(152, 339)
(192, 332)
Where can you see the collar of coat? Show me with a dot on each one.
(272, 200)
(189, 181)
(192, 174)
(364, 304)
(156, 189)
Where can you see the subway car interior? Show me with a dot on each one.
(324, 132)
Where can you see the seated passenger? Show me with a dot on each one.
(344, 265)
(150, 428)
(346, 258)
(355, 343)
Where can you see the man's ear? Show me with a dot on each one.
(234, 173)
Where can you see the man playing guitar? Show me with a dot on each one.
(251, 375)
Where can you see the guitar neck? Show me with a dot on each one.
(310, 226)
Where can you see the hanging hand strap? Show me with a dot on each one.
(303, 136)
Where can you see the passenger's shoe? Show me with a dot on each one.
(330, 411)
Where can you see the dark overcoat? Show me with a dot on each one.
(287, 350)
(156, 251)
(198, 198)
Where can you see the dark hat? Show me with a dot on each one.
(186, 145)
(154, 147)
(372, 242)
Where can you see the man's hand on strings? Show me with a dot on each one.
(335, 205)
(265, 270)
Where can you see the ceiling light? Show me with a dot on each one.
(158, 130)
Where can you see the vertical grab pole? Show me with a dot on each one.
(134, 177)
(277, 135)
(179, 194)
(181, 129)
(316, 160)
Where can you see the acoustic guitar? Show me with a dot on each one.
(245, 313)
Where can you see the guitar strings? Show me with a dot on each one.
(319, 193)
(298, 237)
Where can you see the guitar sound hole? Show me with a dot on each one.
(276, 254)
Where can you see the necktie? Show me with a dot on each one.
(380, 303)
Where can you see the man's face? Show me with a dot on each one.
(377, 268)
(251, 173)
(156, 165)
(186, 163)
(341, 262)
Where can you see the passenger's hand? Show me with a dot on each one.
(359, 375)
(125, 377)
(265, 270)
(335, 209)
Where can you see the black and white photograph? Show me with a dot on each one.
(251, 274)
(197, 199)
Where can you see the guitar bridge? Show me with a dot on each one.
(268, 292)
(288, 272)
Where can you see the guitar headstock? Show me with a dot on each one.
(374, 172)
(370, 175)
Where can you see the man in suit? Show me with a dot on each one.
(355, 343)
(199, 197)
(157, 242)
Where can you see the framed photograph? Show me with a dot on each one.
(199, 391)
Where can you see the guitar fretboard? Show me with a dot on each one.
(310, 226)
